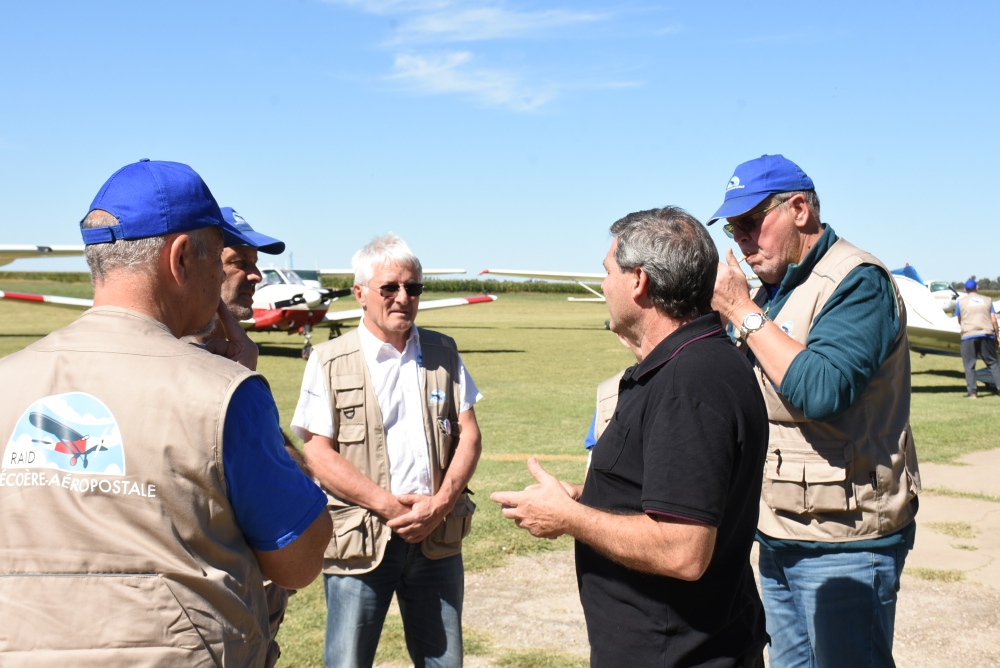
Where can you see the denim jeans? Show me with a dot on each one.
(830, 609)
(430, 593)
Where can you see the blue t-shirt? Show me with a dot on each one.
(273, 500)
(590, 440)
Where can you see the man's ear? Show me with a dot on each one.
(360, 296)
(178, 252)
(640, 283)
(799, 210)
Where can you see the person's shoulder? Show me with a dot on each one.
(341, 345)
(434, 338)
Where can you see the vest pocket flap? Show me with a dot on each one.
(348, 522)
(347, 381)
(353, 534)
(799, 481)
(446, 539)
(823, 471)
(776, 469)
(351, 432)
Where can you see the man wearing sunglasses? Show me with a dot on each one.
(826, 332)
(386, 413)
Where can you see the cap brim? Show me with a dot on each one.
(737, 206)
(266, 244)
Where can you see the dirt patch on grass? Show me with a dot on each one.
(532, 604)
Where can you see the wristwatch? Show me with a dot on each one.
(752, 323)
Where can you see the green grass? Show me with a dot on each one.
(537, 360)
(953, 529)
(936, 575)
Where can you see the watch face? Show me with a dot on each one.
(753, 321)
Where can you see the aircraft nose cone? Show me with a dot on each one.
(313, 298)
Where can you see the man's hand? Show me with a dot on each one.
(421, 518)
(732, 292)
(542, 509)
(237, 346)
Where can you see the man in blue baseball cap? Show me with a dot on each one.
(137, 453)
(978, 322)
(240, 280)
(826, 332)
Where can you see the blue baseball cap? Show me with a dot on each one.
(152, 198)
(971, 284)
(261, 242)
(756, 180)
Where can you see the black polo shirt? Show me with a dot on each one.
(688, 439)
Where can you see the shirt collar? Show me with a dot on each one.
(378, 350)
(701, 327)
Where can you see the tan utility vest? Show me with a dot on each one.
(607, 402)
(854, 477)
(360, 536)
(975, 314)
(123, 550)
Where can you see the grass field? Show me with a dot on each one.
(537, 360)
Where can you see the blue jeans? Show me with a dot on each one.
(830, 609)
(430, 593)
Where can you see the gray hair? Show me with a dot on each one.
(678, 255)
(140, 255)
(387, 249)
(812, 200)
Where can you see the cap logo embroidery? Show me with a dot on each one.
(734, 183)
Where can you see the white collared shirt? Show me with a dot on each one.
(395, 380)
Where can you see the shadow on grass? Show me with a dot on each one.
(278, 350)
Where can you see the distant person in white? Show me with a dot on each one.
(386, 413)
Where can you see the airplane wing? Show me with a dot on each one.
(581, 279)
(336, 318)
(928, 328)
(349, 273)
(68, 302)
(11, 252)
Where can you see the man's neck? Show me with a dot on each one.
(657, 328)
(135, 291)
(396, 339)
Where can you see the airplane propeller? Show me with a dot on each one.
(314, 297)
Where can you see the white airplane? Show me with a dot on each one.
(282, 302)
(579, 278)
(11, 252)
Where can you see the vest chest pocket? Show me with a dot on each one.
(797, 481)
(349, 400)
(353, 534)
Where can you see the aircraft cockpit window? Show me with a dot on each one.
(293, 278)
(270, 277)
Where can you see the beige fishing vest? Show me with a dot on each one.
(854, 477)
(976, 320)
(118, 545)
(359, 535)
(607, 402)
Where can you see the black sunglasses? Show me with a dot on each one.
(390, 290)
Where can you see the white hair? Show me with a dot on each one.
(384, 250)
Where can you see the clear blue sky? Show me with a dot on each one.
(507, 134)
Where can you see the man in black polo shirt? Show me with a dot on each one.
(666, 518)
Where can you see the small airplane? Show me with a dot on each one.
(581, 279)
(11, 252)
(71, 442)
(282, 302)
